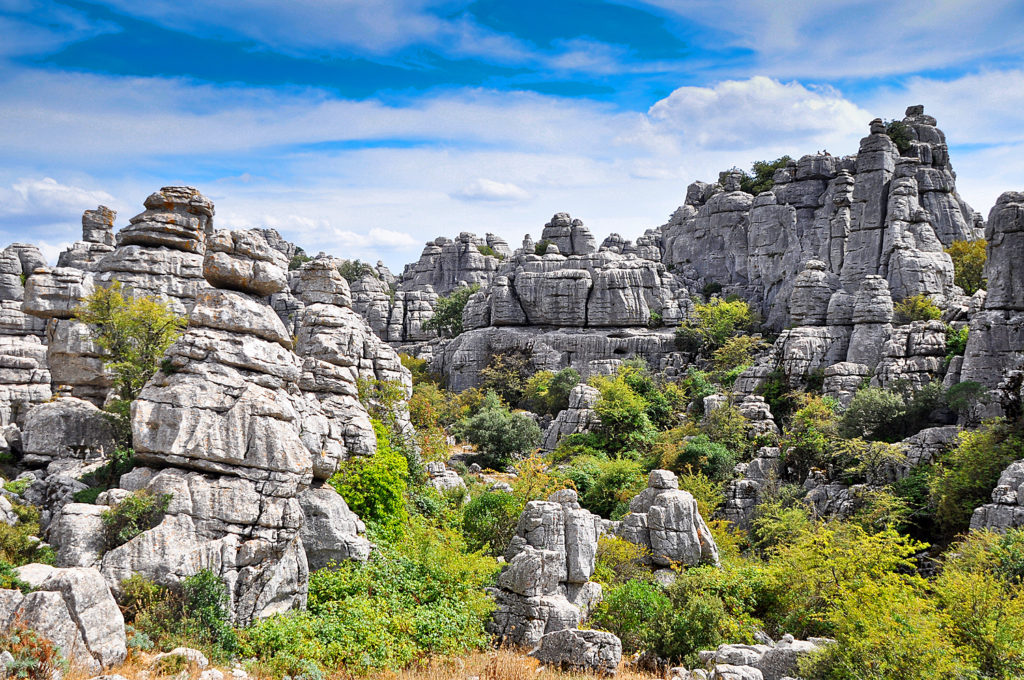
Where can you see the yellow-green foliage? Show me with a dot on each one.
(916, 308)
(374, 487)
(965, 477)
(419, 595)
(619, 560)
(737, 352)
(134, 330)
(715, 322)
(968, 264)
(19, 543)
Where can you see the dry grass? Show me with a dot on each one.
(493, 665)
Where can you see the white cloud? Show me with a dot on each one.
(483, 160)
(31, 27)
(739, 113)
(857, 38)
(46, 198)
(488, 190)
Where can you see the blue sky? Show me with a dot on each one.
(365, 128)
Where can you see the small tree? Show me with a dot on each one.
(447, 318)
(968, 264)
(502, 436)
(135, 332)
(916, 308)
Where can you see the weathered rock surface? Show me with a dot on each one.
(74, 609)
(546, 586)
(589, 651)
(445, 264)
(666, 521)
(331, 533)
(66, 428)
(579, 417)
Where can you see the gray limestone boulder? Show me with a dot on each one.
(243, 260)
(578, 417)
(331, 533)
(91, 607)
(176, 217)
(55, 293)
(589, 651)
(666, 521)
(67, 428)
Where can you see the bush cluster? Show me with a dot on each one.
(140, 511)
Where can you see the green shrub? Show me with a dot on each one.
(715, 322)
(809, 438)
(899, 133)
(489, 521)
(298, 259)
(353, 270)
(541, 247)
(506, 374)
(634, 611)
(885, 629)
(500, 435)
(697, 385)
(969, 264)
(964, 478)
(612, 485)
(17, 487)
(916, 308)
(547, 392)
(712, 459)
(135, 331)
(761, 177)
(193, 613)
(490, 252)
(374, 488)
(447, 318)
(106, 476)
(138, 512)
(619, 561)
(10, 580)
(20, 544)
(890, 414)
(625, 425)
(736, 352)
(419, 596)
(956, 342)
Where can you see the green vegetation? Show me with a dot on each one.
(916, 308)
(490, 252)
(418, 595)
(447, 318)
(899, 133)
(547, 392)
(353, 270)
(19, 544)
(375, 487)
(760, 177)
(135, 332)
(969, 264)
(194, 613)
(500, 435)
(138, 512)
(716, 321)
(298, 259)
(35, 657)
(541, 247)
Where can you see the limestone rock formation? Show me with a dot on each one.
(995, 344)
(882, 212)
(445, 264)
(24, 371)
(579, 417)
(74, 609)
(570, 236)
(546, 586)
(589, 651)
(666, 521)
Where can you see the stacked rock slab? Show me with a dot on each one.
(593, 651)
(570, 236)
(546, 585)
(578, 417)
(24, 372)
(97, 240)
(224, 429)
(75, 360)
(776, 661)
(665, 520)
(338, 350)
(160, 253)
(446, 264)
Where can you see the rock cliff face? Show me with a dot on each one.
(446, 264)
(882, 212)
